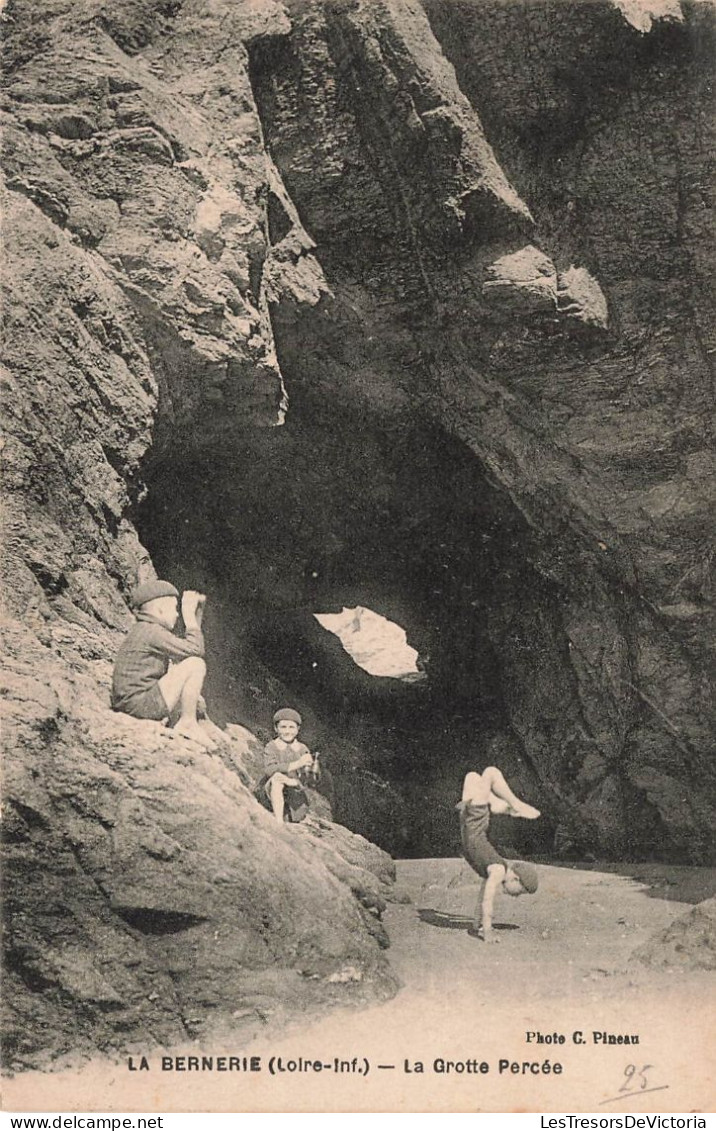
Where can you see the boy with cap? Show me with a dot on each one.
(156, 671)
(483, 794)
(284, 756)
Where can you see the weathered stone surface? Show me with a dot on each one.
(220, 217)
(148, 892)
(581, 298)
(151, 173)
(523, 283)
(576, 419)
(149, 895)
(690, 941)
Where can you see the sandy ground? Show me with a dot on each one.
(561, 970)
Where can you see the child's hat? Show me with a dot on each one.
(526, 874)
(289, 714)
(150, 590)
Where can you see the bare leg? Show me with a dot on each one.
(214, 732)
(182, 685)
(210, 728)
(502, 799)
(275, 791)
(475, 789)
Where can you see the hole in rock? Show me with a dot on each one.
(374, 643)
(280, 525)
(151, 921)
(398, 518)
(27, 968)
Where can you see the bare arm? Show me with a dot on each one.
(192, 610)
(495, 875)
(477, 919)
(305, 759)
(275, 763)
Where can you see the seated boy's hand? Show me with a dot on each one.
(191, 602)
(305, 760)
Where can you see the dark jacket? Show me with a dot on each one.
(278, 756)
(144, 656)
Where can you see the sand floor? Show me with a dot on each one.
(561, 969)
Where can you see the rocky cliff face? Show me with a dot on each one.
(561, 335)
(150, 898)
(462, 251)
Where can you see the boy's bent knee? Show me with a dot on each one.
(193, 664)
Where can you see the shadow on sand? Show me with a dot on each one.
(456, 922)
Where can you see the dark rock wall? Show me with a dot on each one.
(563, 344)
(463, 251)
(148, 897)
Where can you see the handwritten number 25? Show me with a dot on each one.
(633, 1074)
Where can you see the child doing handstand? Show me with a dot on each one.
(483, 794)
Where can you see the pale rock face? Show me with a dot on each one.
(523, 283)
(689, 942)
(214, 208)
(140, 263)
(527, 283)
(581, 299)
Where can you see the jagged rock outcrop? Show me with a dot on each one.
(523, 283)
(577, 418)
(690, 941)
(149, 895)
(467, 250)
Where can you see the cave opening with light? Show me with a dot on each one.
(460, 343)
(297, 529)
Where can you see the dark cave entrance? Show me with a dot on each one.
(539, 649)
(295, 520)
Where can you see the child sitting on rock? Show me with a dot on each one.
(483, 794)
(284, 757)
(156, 673)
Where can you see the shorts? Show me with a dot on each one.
(147, 704)
(480, 854)
(265, 783)
(476, 848)
(295, 797)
